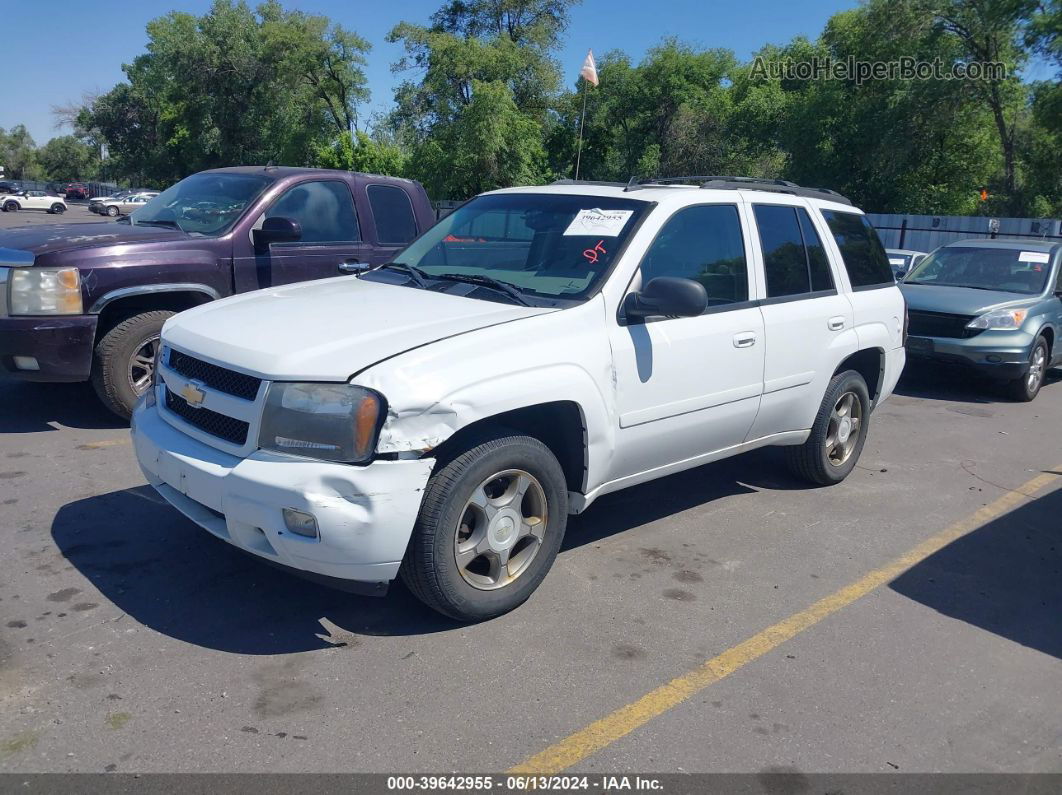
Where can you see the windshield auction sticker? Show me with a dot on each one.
(1026, 256)
(600, 223)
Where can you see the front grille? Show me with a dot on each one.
(224, 427)
(219, 378)
(940, 324)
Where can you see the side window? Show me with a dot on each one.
(703, 243)
(393, 213)
(325, 210)
(818, 264)
(784, 258)
(864, 256)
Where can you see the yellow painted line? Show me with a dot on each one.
(102, 444)
(623, 721)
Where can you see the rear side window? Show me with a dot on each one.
(864, 256)
(393, 213)
(702, 243)
(793, 256)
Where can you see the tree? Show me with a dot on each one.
(67, 157)
(234, 86)
(17, 153)
(360, 152)
(476, 118)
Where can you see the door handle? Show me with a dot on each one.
(835, 323)
(352, 266)
(745, 339)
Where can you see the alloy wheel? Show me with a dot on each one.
(501, 529)
(842, 434)
(142, 365)
(1036, 368)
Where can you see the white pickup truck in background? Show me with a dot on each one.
(440, 416)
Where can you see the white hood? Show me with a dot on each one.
(327, 330)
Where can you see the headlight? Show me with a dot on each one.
(44, 291)
(999, 318)
(334, 422)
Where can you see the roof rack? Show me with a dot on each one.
(589, 182)
(717, 182)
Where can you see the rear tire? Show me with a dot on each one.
(11, 207)
(830, 452)
(124, 360)
(507, 496)
(1026, 388)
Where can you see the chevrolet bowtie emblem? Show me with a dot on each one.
(193, 395)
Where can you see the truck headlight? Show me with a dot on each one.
(334, 422)
(999, 318)
(44, 291)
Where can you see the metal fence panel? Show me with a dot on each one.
(927, 232)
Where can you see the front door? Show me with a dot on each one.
(690, 386)
(331, 236)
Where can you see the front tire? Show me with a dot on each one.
(124, 360)
(11, 207)
(112, 212)
(489, 528)
(838, 434)
(1026, 388)
(57, 209)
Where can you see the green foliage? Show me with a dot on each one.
(18, 153)
(233, 86)
(68, 157)
(362, 153)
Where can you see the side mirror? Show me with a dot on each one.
(277, 230)
(667, 296)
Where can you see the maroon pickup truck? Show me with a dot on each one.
(87, 301)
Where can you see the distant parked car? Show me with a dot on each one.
(994, 306)
(10, 186)
(98, 203)
(33, 200)
(77, 190)
(126, 204)
(901, 260)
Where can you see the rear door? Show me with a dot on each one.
(394, 224)
(331, 234)
(808, 323)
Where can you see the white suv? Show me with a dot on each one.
(440, 416)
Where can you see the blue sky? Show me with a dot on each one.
(53, 52)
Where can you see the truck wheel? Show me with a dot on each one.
(124, 360)
(112, 211)
(832, 450)
(1027, 387)
(489, 528)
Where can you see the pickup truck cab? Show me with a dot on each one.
(87, 301)
(440, 416)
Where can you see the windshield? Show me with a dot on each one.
(1007, 270)
(202, 204)
(550, 246)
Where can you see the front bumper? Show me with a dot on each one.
(365, 515)
(1001, 355)
(62, 346)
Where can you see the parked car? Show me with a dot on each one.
(33, 200)
(992, 306)
(77, 190)
(901, 260)
(88, 300)
(439, 416)
(96, 205)
(10, 186)
(123, 205)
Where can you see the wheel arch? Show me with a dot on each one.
(869, 363)
(115, 306)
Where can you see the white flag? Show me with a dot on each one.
(589, 70)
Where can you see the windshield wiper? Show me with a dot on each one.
(485, 281)
(161, 222)
(416, 275)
